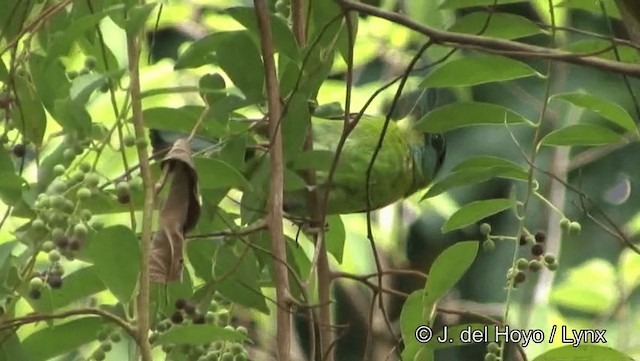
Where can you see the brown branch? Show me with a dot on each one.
(37, 317)
(133, 52)
(493, 45)
(275, 213)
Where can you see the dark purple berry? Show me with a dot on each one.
(177, 317)
(537, 249)
(540, 237)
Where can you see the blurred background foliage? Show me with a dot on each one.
(596, 283)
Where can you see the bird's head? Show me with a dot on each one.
(428, 156)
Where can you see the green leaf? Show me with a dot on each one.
(487, 161)
(236, 53)
(583, 352)
(182, 120)
(475, 211)
(294, 124)
(11, 349)
(236, 277)
(10, 180)
(335, 237)
(197, 334)
(412, 316)
(293, 181)
(138, 16)
(283, 40)
(590, 287)
(473, 70)
(62, 338)
(605, 108)
(115, 252)
(77, 285)
(501, 25)
(200, 253)
(212, 88)
(30, 117)
(457, 4)
(592, 6)
(464, 114)
(581, 134)
(447, 270)
(466, 176)
(216, 174)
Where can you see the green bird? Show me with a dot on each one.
(407, 162)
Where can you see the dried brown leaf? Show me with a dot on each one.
(179, 213)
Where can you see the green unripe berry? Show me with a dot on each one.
(54, 256)
(129, 140)
(240, 357)
(69, 154)
(90, 62)
(57, 233)
(519, 277)
(69, 206)
(549, 258)
(102, 335)
(552, 266)
(83, 193)
(83, 71)
(38, 225)
(105, 346)
(48, 246)
(59, 169)
(115, 337)
(535, 265)
(72, 74)
(227, 356)
(92, 179)
(97, 224)
(57, 201)
(242, 330)
(80, 230)
(564, 224)
(86, 215)
(237, 348)
(85, 167)
(44, 201)
(490, 357)
(522, 264)
(485, 229)
(99, 355)
(36, 283)
(488, 245)
(493, 347)
(575, 228)
(77, 177)
(58, 187)
(123, 188)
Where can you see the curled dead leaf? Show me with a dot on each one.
(178, 215)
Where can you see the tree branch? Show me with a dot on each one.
(492, 45)
(275, 213)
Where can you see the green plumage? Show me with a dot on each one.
(406, 163)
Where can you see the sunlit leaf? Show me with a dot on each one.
(197, 334)
(590, 287)
(53, 341)
(464, 114)
(581, 134)
(498, 25)
(473, 70)
(476, 211)
(605, 108)
(583, 352)
(457, 4)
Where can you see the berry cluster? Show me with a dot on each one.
(538, 260)
(90, 64)
(107, 336)
(187, 312)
